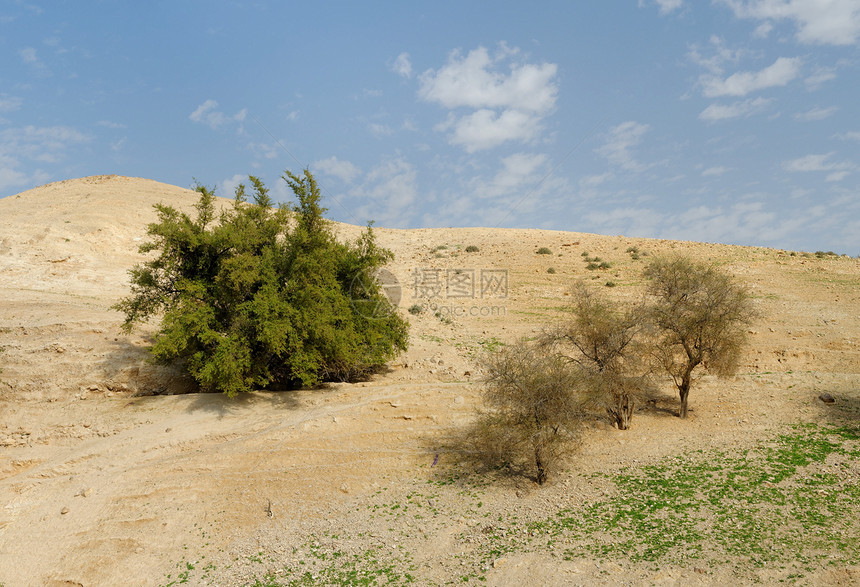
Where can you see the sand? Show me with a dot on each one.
(110, 473)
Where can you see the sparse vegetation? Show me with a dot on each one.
(472, 249)
(551, 270)
(544, 251)
(250, 301)
(416, 309)
(602, 341)
(699, 314)
(534, 402)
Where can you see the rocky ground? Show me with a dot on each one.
(111, 474)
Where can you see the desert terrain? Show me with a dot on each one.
(111, 473)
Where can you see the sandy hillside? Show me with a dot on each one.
(110, 474)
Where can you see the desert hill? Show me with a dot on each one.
(111, 474)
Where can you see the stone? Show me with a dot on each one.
(827, 398)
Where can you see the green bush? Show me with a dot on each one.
(472, 249)
(415, 309)
(263, 296)
(551, 270)
(544, 251)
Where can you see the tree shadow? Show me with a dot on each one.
(222, 405)
(844, 410)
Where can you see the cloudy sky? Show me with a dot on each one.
(733, 121)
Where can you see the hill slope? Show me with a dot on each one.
(102, 481)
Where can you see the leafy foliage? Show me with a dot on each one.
(263, 296)
(700, 315)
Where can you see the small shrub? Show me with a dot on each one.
(584, 254)
(551, 270)
(610, 284)
(534, 404)
(416, 309)
(472, 249)
(544, 251)
(634, 256)
(633, 250)
(592, 266)
(605, 265)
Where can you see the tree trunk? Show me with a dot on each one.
(622, 413)
(685, 390)
(541, 468)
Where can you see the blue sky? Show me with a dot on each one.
(734, 121)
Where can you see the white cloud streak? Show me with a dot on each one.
(402, 66)
(619, 145)
(821, 22)
(744, 108)
(780, 73)
(207, 113)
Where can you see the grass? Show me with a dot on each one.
(777, 512)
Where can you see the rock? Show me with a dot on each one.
(499, 562)
(827, 398)
(64, 511)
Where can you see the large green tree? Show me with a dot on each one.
(258, 296)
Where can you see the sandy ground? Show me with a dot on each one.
(110, 474)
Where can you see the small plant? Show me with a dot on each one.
(610, 284)
(472, 249)
(592, 266)
(584, 254)
(544, 251)
(605, 265)
(533, 408)
(633, 250)
(551, 270)
(416, 309)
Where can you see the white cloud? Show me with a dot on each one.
(379, 130)
(28, 145)
(591, 181)
(486, 129)
(343, 170)
(388, 193)
(714, 171)
(666, 6)
(520, 170)
(506, 106)
(228, 186)
(110, 124)
(721, 55)
(815, 114)
(826, 22)
(820, 162)
(821, 75)
(44, 144)
(780, 73)
(10, 103)
(851, 135)
(836, 176)
(28, 55)
(402, 66)
(618, 145)
(207, 113)
(747, 107)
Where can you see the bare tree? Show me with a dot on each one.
(534, 402)
(602, 340)
(700, 315)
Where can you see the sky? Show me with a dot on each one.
(731, 121)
